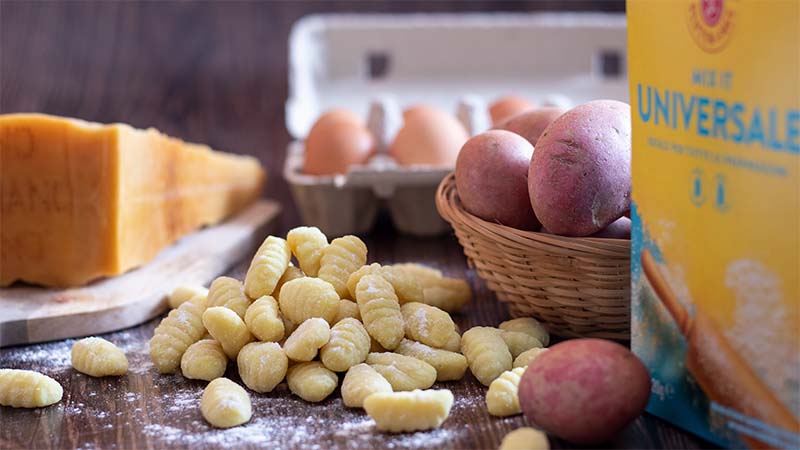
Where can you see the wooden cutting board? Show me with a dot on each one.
(35, 314)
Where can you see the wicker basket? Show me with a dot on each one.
(574, 286)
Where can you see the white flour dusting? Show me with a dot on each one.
(759, 318)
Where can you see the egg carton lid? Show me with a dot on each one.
(349, 60)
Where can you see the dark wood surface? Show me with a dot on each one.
(216, 72)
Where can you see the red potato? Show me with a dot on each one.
(492, 179)
(580, 175)
(584, 390)
(619, 229)
(531, 124)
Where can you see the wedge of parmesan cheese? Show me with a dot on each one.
(83, 200)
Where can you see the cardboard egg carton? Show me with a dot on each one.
(378, 64)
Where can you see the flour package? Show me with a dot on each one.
(715, 102)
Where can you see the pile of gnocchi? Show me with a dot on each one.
(387, 328)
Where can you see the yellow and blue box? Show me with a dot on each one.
(715, 102)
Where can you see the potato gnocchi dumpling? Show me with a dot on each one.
(449, 365)
(486, 352)
(528, 325)
(263, 319)
(380, 310)
(427, 324)
(204, 360)
(262, 365)
(502, 398)
(360, 382)
(307, 339)
(228, 292)
(307, 243)
(28, 389)
(311, 381)
(184, 293)
(97, 357)
(426, 275)
(268, 265)
(449, 294)
(407, 288)
(225, 404)
(409, 411)
(526, 357)
(340, 259)
(228, 328)
(519, 342)
(404, 373)
(292, 273)
(525, 438)
(307, 297)
(348, 346)
(453, 343)
(347, 308)
(181, 328)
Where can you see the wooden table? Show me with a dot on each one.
(215, 73)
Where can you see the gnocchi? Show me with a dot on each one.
(486, 352)
(204, 360)
(225, 404)
(526, 357)
(307, 339)
(183, 294)
(453, 343)
(404, 373)
(311, 381)
(409, 411)
(530, 326)
(348, 345)
(307, 243)
(292, 273)
(449, 365)
(262, 365)
(449, 294)
(525, 438)
(427, 324)
(305, 298)
(264, 321)
(502, 398)
(407, 288)
(426, 275)
(228, 292)
(340, 259)
(519, 342)
(28, 389)
(347, 308)
(97, 357)
(181, 328)
(380, 310)
(360, 382)
(228, 328)
(268, 265)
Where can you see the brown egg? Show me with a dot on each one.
(506, 107)
(429, 136)
(531, 124)
(338, 140)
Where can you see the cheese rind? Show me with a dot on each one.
(82, 200)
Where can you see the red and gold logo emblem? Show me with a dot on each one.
(710, 23)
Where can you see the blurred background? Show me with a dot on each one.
(209, 72)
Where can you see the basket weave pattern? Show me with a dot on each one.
(577, 287)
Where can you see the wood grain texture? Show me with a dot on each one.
(216, 72)
(35, 314)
